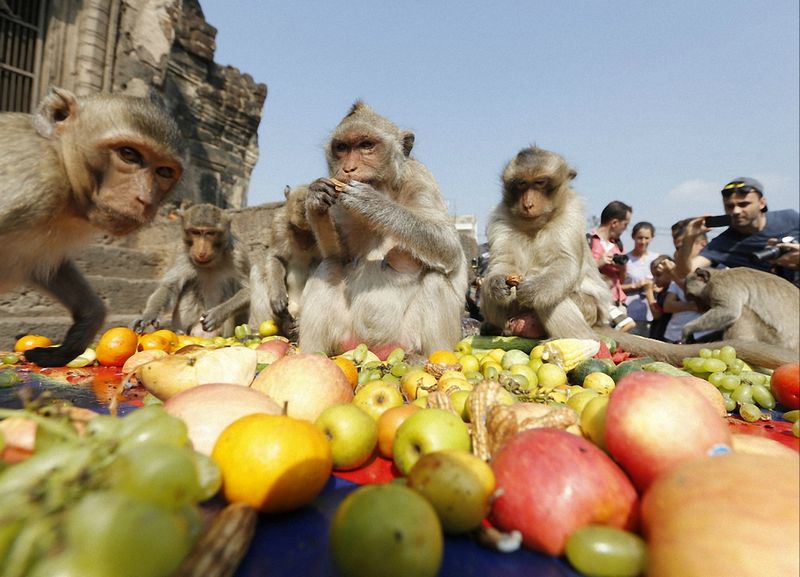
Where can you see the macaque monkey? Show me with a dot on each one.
(541, 277)
(393, 272)
(542, 280)
(75, 168)
(292, 256)
(207, 286)
(747, 304)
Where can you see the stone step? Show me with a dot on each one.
(121, 296)
(54, 327)
(107, 260)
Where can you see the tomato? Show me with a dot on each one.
(785, 385)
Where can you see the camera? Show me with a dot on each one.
(771, 252)
(620, 259)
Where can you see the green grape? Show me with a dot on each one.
(8, 378)
(396, 356)
(62, 564)
(375, 375)
(360, 353)
(474, 377)
(369, 366)
(763, 397)
(705, 353)
(491, 373)
(749, 412)
(715, 354)
(716, 379)
(166, 429)
(714, 366)
(730, 382)
(730, 404)
(796, 428)
(112, 533)
(754, 378)
(241, 332)
(209, 476)
(399, 369)
(135, 419)
(736, 367)
(695, 364)
(104, 427)
(390, 378)
(163, 474)
(743, 394)
(792, 416)
(601, 551)
(727, 354)
(10, 359)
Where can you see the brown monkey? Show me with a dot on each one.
(541, 276)
(292, 256)
(747, 304)
(538, 233)
(393, 271)
(76, 167)
(208, 284)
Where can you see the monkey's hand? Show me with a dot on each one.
(322, 194)
(280, 304)
(497, 288)
(212, 319)
(139, 325)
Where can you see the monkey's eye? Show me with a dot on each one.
(366, 145)
(165, 172)
(519, 186)
(339, 146)
(129, 155)
(540, 183)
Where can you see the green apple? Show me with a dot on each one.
(352, 432)
(376, 397)
(600, 382)
(459, 402)
(578, 401)
(593, 420)
(387, 530)
(427, 431)
(458, 484)
(514, 357)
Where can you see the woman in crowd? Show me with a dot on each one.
(638, 276)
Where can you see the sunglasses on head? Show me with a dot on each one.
(738, 188)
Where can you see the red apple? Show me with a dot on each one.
(553, 482)
(785, 385)
(270, 351)
(306, 384)
(656, 421)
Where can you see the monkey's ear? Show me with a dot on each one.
(286, 190)
(703, 274)
(408, 142)
(572, 174)
(56, 111)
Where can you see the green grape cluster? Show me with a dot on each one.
(120, 499)
(390, 370)
(745, 391)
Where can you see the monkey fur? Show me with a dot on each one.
(538, 231)
(77, 167)
(207, 285)
(747, 304)
(291, 258)
(393, 272)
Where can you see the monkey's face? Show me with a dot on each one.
(529, 196)
(130, 183)
(204, 244)
(358, 155)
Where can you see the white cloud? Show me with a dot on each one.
(694, 190)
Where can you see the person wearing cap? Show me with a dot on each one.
(751, 230)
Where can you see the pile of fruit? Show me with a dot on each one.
(622, 468)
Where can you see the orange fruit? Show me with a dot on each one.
(152, 341)
(170, 337)
(273, 463)
(443, 357)
(349, 369)
(388, 423)
(116, 346)
(29, 342)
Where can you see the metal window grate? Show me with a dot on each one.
(21, 29)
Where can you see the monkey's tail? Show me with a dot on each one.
(752, 352)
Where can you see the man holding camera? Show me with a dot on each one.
(754, 238)
(611, 258)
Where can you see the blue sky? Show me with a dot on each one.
(657, 104)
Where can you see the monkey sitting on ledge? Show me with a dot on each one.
(77, 167)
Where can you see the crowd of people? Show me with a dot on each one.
(647, 288)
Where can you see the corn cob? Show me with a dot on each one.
(223, 546)
(569, 353)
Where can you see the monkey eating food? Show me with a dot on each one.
(75, 168)
(393, 272)
(208, 284)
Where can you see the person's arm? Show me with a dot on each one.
(685, 262)
(652, 301)
(790, 255)
(674, 305)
